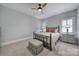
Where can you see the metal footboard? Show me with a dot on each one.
(47, 40)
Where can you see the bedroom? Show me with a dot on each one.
(18, 22)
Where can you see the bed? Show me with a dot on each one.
(49, 38)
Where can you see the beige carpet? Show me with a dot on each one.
(20, 49)
(65, 49)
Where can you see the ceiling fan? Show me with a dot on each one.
(40, 7)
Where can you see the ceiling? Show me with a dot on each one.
(50, 9)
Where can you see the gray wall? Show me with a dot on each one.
(78, 23)
(15, 25)
(56, 20)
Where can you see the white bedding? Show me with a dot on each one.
(55, 36)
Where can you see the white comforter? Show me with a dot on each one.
(55, 36)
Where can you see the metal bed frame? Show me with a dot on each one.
(47, 40)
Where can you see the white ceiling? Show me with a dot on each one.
(51, 9)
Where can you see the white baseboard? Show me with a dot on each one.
(14, 41)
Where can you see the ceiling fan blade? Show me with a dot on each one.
(44, 5)
(33, 8)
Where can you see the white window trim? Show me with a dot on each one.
(66, 24)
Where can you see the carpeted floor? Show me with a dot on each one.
(20, 49)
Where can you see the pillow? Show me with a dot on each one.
(56, 30)
(44, 30)
(50, 29)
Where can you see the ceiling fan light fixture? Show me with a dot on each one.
(39, 10)
(40, 7)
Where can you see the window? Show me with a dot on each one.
(67, 25)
